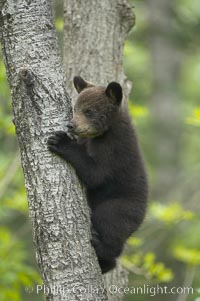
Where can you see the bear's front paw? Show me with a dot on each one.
(58, 142)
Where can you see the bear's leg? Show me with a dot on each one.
(106, 265)
(113, 221)
(106, 248)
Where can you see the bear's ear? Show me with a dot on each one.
(80, 84)
(114, 91)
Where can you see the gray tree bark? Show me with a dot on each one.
(57, 205)
(94, 36)
(58, 210)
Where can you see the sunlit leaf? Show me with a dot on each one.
(137, 111)
(171, 213)
(189, 256)
(148, 266)
(59, 24)
(194, 119)
(134, 241)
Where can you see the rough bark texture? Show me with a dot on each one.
(94, 36)
(57, 207)
(94, 39)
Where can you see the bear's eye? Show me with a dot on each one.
(88, 113)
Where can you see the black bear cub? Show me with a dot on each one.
(107, 159)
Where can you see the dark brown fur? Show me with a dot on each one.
(107, 160)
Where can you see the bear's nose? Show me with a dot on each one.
(70, 125)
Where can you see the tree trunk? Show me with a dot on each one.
(165, 102)
(58, 210)
(57, 205)
(94, 36)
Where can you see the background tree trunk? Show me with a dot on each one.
(58, 210)
(94, 36)
(165, 102)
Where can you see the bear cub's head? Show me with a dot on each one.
(95, 107)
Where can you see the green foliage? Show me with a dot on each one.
(189, 84)
(137, 111)
(156, 270)
(146, 265)
(4, 89)
(194, 119)
(6, 125)
(170, 214)
(188, 256)
(59, 24)
(188, 11)
(137, 68)
(13, 269)
(134, 241)
(17, 201)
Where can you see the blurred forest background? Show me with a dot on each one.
(162, 59)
